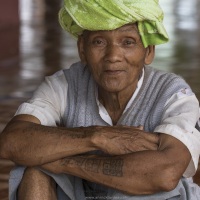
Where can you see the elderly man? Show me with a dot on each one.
(109, 127)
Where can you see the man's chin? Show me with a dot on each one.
(112, 89)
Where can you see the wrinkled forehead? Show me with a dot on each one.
(128, 28)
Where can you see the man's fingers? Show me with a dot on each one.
(150, 146)
(151, 137)
(138, 132)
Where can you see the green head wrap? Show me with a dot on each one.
(94, 15)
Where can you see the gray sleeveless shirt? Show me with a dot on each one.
(146, 109)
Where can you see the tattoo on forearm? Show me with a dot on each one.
(73, 133)
(78, 135)
(92, 165)
(113, 167)
(76, 161)
(80, 132)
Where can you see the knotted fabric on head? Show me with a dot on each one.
(94, 15)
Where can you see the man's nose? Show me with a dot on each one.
(113, 53)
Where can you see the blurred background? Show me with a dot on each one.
(32, 45)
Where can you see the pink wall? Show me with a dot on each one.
(9, 32)
(9, 15)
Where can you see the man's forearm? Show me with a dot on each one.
(31, 144)
(26, 142)
(129, 173)
(144, 172)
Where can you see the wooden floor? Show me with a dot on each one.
(5, 167)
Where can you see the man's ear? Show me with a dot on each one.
(150, 53)
(81, 52)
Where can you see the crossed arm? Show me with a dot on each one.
(136, 162)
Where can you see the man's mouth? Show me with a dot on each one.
(113, 72)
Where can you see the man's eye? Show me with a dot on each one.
(98, 42)
(129, 42)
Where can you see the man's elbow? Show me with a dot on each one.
(164, 181)
(169, 179)
(7, 143)
(4, 147)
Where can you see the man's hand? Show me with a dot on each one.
(120, 140)
(144, 172)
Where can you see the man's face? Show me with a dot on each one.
(116, 57)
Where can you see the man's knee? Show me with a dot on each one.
(34, 174)
(36, 184)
